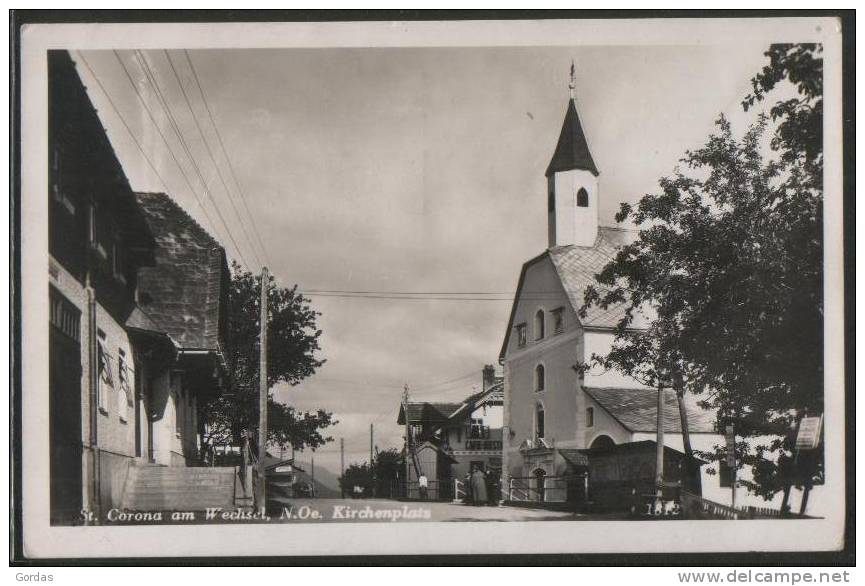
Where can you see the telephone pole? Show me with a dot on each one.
(341, 465)
(371, 462)
(659, 458)
(262, 393)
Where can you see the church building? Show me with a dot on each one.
(556, 418)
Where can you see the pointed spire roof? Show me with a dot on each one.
(572, 152)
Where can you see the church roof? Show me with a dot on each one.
(572, 150)
(637, 410)
(576, 267)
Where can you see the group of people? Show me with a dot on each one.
(481, 488)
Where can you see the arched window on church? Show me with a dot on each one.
(539, 421)
(582, 198)
(539, 378)
(539, 325)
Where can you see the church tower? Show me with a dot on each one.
(572, 184)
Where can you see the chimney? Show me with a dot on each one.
(489, 376)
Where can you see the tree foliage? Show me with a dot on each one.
(291, 354)
(727, 271)
(378, 480)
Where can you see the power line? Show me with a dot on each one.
(412, 298)
(183, 144)
(225, 153)
(159, 132)
(212, 158)
(123, 120)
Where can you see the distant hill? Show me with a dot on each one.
(326, 482)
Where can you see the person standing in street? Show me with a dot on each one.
(479, 487)
(422, 484)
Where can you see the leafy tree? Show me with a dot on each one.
(292, 346)
(388, 467)
(357, 475)
(727, 270)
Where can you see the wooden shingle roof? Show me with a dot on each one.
(186, 293)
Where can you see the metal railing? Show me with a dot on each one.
(552, 489)
(436, 490)
(706, 507)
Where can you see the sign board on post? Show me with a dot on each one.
(731, 446)
(808, 437)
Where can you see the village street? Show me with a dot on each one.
(384, 510)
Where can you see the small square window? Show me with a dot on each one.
(521, 335)
(558, 320)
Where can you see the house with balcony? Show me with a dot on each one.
(450, 439)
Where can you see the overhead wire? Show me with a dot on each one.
(212, 157)
(123, 120)
(183, 144)
(231, 170)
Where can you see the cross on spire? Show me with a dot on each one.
(572, 85)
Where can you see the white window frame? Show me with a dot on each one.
(522, 335)
(558, 320)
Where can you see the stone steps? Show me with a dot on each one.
(177, 488)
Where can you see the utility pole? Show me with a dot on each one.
(312, 471)
(659, 458)
(341, 465)
(262, 392)
(371, 462)
(406, 438)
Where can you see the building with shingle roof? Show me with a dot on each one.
(186, 293)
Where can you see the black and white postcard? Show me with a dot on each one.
(364, 287)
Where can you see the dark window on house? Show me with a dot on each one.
(558, 320)
(65, 316)
(539, 378)
(590, 416)
(582, 198)
(539, 325)
(478, 430)
(521, 335)
(117, 260)
(539, 421)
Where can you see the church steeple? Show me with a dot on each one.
(572, 151)
(572, 183)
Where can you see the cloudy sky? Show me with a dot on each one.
(405, 170)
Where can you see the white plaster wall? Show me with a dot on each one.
(601, 343)
(492, 415)
(711, 483)
(604, 424)
(575, 225)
